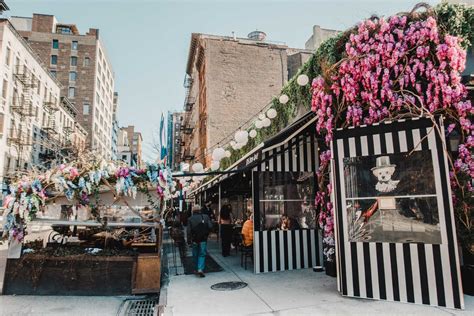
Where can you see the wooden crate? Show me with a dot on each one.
(147, 275)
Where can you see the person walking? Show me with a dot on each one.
(225, 222)
(198, 229)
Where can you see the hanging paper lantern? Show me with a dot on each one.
(241, 136)
(284, 99)
(261, 116)
(198, 167)
(271, 113)
(218, 154)
(266, 122)
(253, 133)
(258, 124)
(302, 80)
(215, 165)
(227, 154)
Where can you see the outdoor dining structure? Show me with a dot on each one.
(275, 180)
(89, 227)
(383, 164)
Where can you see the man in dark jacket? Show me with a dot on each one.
(198, 229)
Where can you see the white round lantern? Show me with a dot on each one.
(258, 124)
(284, 99)
(227, 154)
(198, 167)
(218, 154)
(241, 136)
(302, 80)
(261, 116)
(253, 133)
(232, 143)
(215, 165)
(271, 113)
(266, 122)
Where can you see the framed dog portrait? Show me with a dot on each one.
(395, 233)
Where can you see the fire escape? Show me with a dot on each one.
(186, 128)
(22, 104)
(49, 133)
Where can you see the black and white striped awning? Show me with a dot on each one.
(265, 151)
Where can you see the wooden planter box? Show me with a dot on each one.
(82, 275)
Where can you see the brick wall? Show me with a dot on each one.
(241, 79)
(42, 23)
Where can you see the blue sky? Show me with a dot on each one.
(147, 40)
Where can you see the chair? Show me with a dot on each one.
(246, 252)
(237, 239)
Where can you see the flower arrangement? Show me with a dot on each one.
(403, 66)
(78, 181)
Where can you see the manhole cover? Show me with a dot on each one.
(228, 286)
(144, 307)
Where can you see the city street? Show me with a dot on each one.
(236, 157)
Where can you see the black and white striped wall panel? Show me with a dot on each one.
(280, 250)
(276, 250)
(408, 272)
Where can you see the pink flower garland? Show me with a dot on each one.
(393, 67)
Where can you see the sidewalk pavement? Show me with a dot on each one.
(297, 292)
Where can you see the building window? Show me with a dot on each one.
(73, 61)
(53, 73)
(8, 56)
(74, 45)
(86, 109)
(72, 76)
(72, 92)
(54, 59)
(55, 44)
(87, 61)
(4, 89)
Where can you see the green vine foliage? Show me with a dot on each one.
(455, 19)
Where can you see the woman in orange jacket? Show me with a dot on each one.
(247, 232)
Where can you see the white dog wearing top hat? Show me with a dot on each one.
(383, 170)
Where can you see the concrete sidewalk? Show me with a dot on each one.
(298, 292)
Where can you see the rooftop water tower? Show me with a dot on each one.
(257, 35)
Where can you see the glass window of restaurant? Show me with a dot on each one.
(287, 200)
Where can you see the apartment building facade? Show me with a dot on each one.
(132, 146)
(123, 147)
(318, 36)
(115, 128)
(80, 63)
(173, 147)
(35, 123)
(228, 81)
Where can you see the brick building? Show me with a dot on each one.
(228, 81)
(80, 63)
